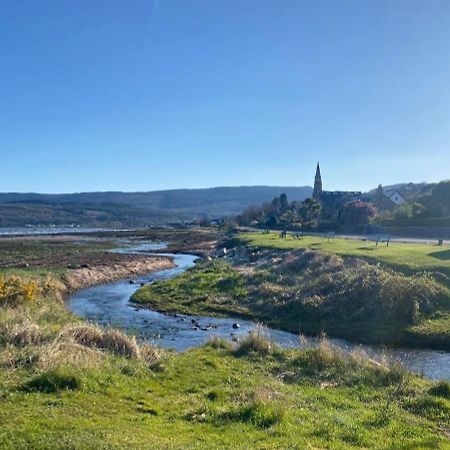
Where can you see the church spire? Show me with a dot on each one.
(317, 185)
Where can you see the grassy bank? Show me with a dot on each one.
(207, 289)
(309, 291)
(65, 384)
(409, 259)
(404, 257)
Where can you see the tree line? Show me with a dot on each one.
(434, 203)
(280, 212)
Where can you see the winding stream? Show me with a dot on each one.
(108, 304)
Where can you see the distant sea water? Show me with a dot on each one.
(31, 231)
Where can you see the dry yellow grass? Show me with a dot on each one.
(68, 353)
(149, 353)
(25, 333)
(22, 334)
(109, 339)
(257, 341)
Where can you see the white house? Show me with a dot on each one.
(397, 198)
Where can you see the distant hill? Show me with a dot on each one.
(136, 208)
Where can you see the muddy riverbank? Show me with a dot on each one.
(119, 268)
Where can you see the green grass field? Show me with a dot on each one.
(211, 398)
(404, 257)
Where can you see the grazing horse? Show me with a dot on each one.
(283, 234)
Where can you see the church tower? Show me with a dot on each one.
(317, 185)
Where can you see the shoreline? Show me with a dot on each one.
(76, 279)
(401, 344)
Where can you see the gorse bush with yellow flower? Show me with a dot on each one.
(15, 290)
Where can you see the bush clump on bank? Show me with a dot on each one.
(256, 342)
(16, 290)
(109, 339)
(328, 363)
(20, 334)
(333, 287)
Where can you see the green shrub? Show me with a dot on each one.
(394, 373)
(328, 362)
(325, 361)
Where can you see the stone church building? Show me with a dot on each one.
(332, 201)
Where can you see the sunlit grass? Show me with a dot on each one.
(211, 398)
(67, 384)
(402, 256)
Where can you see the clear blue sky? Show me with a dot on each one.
(156, 94)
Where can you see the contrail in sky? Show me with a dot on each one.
(154, 11)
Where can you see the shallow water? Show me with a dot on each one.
(109, 304)
(32, 231)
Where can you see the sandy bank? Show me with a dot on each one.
(104, 273)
